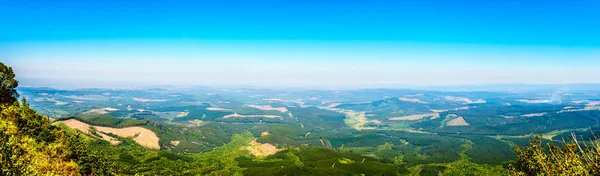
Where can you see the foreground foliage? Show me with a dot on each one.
(572, 158)
(29, 145)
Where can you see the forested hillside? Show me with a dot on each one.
(30, 145)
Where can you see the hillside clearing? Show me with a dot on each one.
(458, 99)
(534, 115)
(144, 100)
(413, 100)
(253, 116)
(140, 135)
(101, 110)
(416, 117)
(268, 108)
(183, 114)
(460, 121)
(535, 101)
(217, 109)
(261, 150)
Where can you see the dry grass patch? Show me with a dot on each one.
(415, 95)
(593, 103)
(253, 116)
(460, 121)
(356, 120)
(183, 114)
(268, 108)
(140, 135)
(534, 114)
(416, 117)
(459, 99)
(217, 109)
(332, 105)
(86, 97)
(535, 101)
(101, 111)
(414, 100)
(195, 122)
(265, 133)
(378, 122)
(261, 150)
(144, 100)
(299, 102)
(591, 108)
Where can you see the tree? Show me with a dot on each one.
(570, 158)
(30, 145)
(8, 85)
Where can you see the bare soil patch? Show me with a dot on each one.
(140, 135)
(535, 101)
(101, 111)
(591, 108)
(144, 100)
(508, 117)
(378, 122)
(265, 133)
(534, 114)
(414, 100)
(593, 103)
(183, 114)
(460, 121)
(268, 108)
(86, 97)
(217, 109)
(252, 116)
(286, 101)
(459, 99)
(414, 95)
(194, 122)
(416, 117)
(261, 150)
(333, 105)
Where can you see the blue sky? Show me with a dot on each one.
(336, 43)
